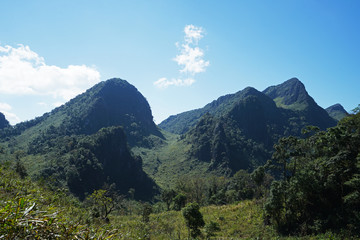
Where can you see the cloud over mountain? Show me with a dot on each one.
(24, 72)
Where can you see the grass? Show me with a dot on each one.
(29, 210)
(237, 221)
(169, 161)
(295, 106)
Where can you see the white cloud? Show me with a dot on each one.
(6, 110)
(43, 104)
(191, 56)
(24, 72)
(193, 33)
(5, 107)
(57, 104)
(191, 59)
(164, 82)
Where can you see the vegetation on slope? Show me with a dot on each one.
(290, 95)
(238, 131)
(320, 181)
(316, 191)
(81, 146)
(30, 210)
(337, 112)
(114, 102)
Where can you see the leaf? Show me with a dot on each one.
(21, 202)
(26, 212)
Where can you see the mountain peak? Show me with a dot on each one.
(111, 103)
(114, 102)
(293, 80)
(3, 122)
(290, 94)
(337, 111)
(337, 106)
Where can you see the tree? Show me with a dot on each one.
(146, 211)
(319, 188)
(19, 165)
(179, 201)
(104, 202)
(193, 219)
(167, 196)
(243, 185)
(258, 175)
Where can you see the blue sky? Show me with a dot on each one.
(180, 55)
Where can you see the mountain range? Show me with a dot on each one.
(107, 135)
(238, 131)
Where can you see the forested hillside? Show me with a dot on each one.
(84, 144)
(238, 131)
(289, 95)
(249, 165)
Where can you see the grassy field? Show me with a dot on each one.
(243, 220)
(29, 210)
(168, 161)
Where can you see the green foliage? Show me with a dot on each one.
(146, 211)
(238, 131)
(30, 211)
(319, 188)
(167, 196)
(258, 175)
(86, 163)
(356, 110)
(20, 168)
(211, 228)
(179, 202)
(80, 144)
(193, 219)
(103, 202)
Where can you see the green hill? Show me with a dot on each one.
(81, 145)
(238, 131)
(337, 112)
(105, 140)
(114, 102)
(289, 95)
(293, 95)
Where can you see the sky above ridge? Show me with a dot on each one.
(180, 55)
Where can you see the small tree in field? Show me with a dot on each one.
(193, 219)
(103, 202)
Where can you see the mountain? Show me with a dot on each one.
(87, 163)
(3, 122)
(238, 131)
(290, 95)
(114, 102)
(293, 95)
(83, 144)
(337, 112)
(182, 122)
